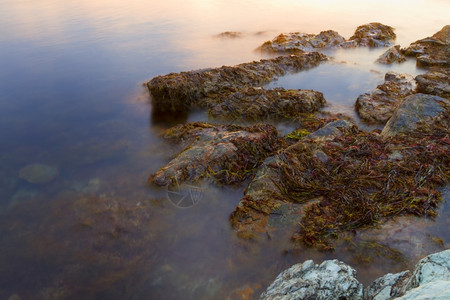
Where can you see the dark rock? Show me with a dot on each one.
(374, 35)
(299, 42)
(181, 91)
(432, 51)
(227, 154)
(378, 105)
(262, 104)
(392, 55)
(332, 279)
(434, 83)
(427, 111)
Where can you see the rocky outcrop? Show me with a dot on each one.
(228, 154)
(332, 279)
(429, 280)
(297, 42)
(262, 104)
(417, 113)
(373, 35)
(379, 105)
(434, 83)
(432, 51)
(204, 88)
(392, 55)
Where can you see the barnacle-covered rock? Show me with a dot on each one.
(261, 104)
(432, 51)
(392, 55)
(374, 35)
(434, 83)
(182, 91)
(226, 153)
(378, 105)
(298, 42)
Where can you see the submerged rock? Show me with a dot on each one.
(226, 153)
(374, 35)
(392, 55)
(230, 34)
(203, 88)
(427, 111)
(38, 173)
(299, 42)
(434, 83)
(262, 104)
(332, 279)
(379, 105)
(432, 51)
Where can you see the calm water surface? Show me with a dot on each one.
(71, 97)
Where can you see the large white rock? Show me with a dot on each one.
(332, 279)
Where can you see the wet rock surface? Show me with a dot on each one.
(299, 42)
(38, 173)
(373, 35)
(379, 105)
(332, 279)
(228, 154)
(434, 83)
(432, 51)
(182, 91)
(418, 109)
(262, 104)
(392, 55)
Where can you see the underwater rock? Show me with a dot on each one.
(419, 109)
(182, 91)
(261, 104)
(373, 35)
(434, 83)
(379, 105)
(226, 153)
(432, 51)
(392, 55)
(297, 42)
(429, 280)
(332, 279)
(38, 173)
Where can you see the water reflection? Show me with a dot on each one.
(67, 73)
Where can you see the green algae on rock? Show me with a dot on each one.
(228, 154)
(261, 104)
(182, 91)
(378, 105)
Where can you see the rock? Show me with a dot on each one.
(226, 153)
(374, 35)
(38, 173)
(379, 105)
(427, 111)
(432, 51)
(429, 280)
(434, 83)
(261, 104)
(330, 280)
(330, 131)
(182, 91)
(230, 34)
(299, 42)
(392, 55)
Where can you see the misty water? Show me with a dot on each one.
(72, 98)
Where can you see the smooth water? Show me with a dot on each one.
(71, 97)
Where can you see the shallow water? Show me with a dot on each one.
(71, 97)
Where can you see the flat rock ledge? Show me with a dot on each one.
(333, 279)
(179, 92)
(378, 106)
